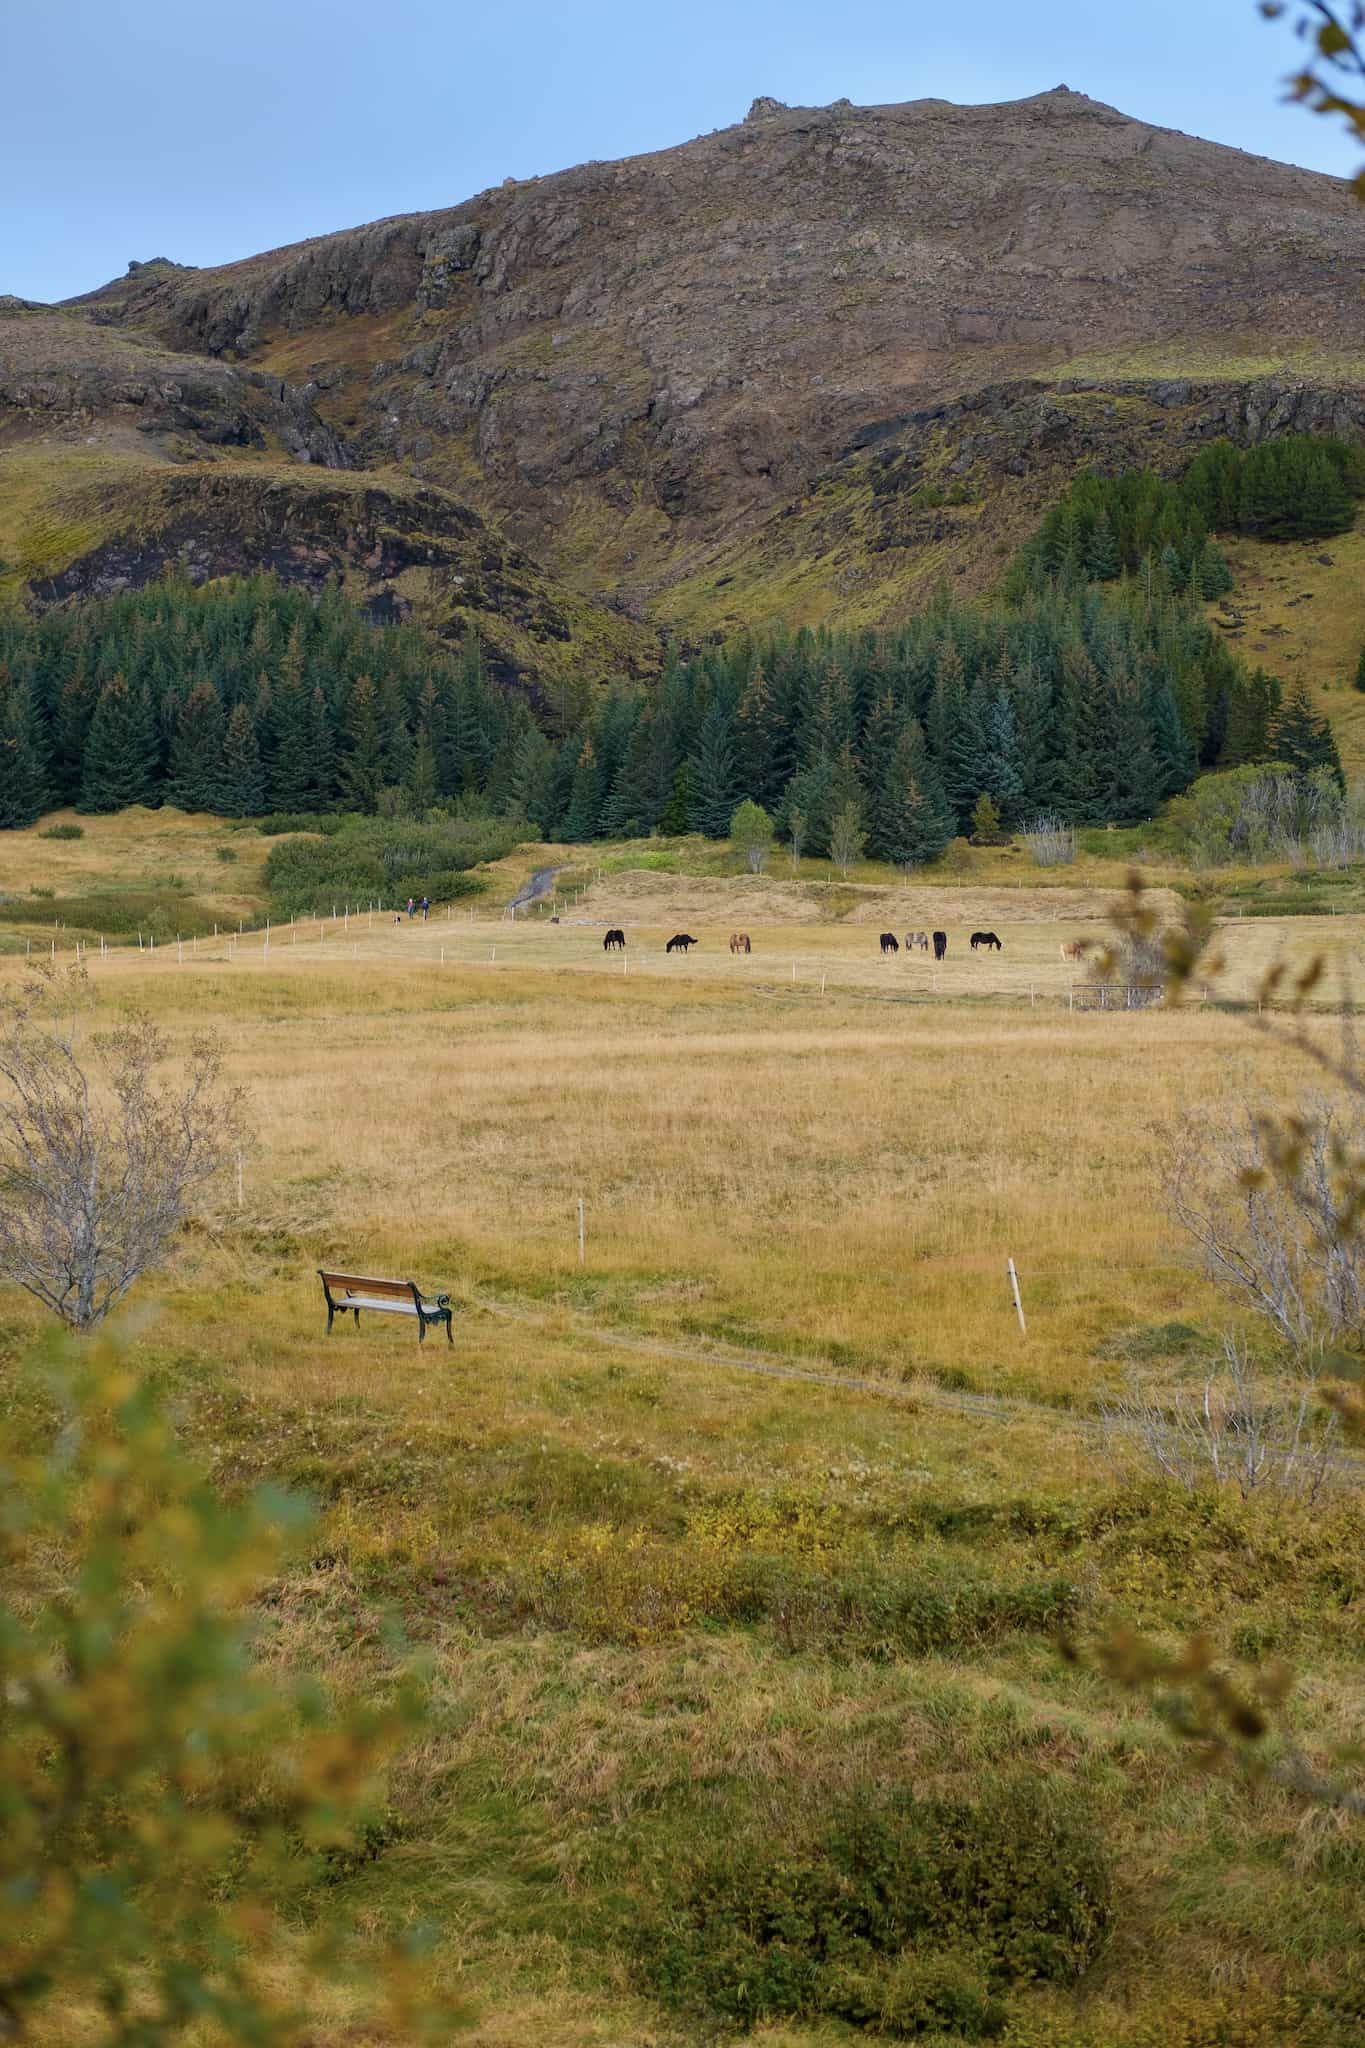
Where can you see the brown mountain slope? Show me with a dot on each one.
(120, 458)
(637, 363)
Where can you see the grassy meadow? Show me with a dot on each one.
(767, 1505)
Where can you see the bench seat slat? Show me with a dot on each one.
(384, 1302)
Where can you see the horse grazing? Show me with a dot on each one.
(1073, 949)
(940, 944)
(739, 942)
(680, 942)
(890, 943)
(615, 939)
(917, 941)
(987, 939)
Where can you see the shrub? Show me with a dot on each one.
(62, 832)
(895, 1914)
(227, 853)
(367, 859)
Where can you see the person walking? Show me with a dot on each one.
(411, 907)
(426, 908)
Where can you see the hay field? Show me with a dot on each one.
(671, 1594)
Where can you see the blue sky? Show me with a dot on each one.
(137, 128)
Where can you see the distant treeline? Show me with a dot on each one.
(1303, 487)
(243, 697)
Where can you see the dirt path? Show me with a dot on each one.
(540, 885)
(918, 1394)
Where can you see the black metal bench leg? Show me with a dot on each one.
(357, 1318)
(330, 1313)
(449, 1334)
(421, 1328)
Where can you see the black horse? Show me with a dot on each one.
(680, 942)
(615, 939)
(890, 943)
(940, 944)
(987, 939)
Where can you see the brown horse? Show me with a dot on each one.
(1073, 949)
(739, 942)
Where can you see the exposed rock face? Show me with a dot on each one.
(58, 379)
(692, 336)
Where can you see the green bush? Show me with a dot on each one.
(899, 1915)
(382, 860)
(277, 822)
(62, 832)
(227, 853)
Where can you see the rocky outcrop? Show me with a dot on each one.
(58, 379)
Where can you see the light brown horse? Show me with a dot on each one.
(1073, 949)
(739, 942)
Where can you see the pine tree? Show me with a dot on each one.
(195, 778)
(714, 782)
(122, 751)
(1102, 560)
(911, 822)
(677, 815)
(532, 774)
(75, 709)
(1303, 741)
(582, 819)
(243, 779)
(362, 765)
(421, 786)
(322, 752)
(23, 788)
(1172, 754)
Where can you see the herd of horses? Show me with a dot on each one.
(740, 942)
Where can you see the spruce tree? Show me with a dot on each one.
(421, 785)
(23, 788)
(677, 814)
(714, 781)
(322, 752)
(582, 820)
(532, 774)
(1303, 740)
(911, 823)
(74, 711)
(243, 778)
(1360, 671)
(195, 778)
(122, 750)
(362, 765)
(1102, 559)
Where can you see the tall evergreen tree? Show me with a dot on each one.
(911, 822)
(195, 778)
(122, 750)
(715, 787)
(362, 764)
(585, 795)
(243, 779)
(1303, 740)
(23, 786)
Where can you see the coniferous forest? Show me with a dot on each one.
(1096, 690)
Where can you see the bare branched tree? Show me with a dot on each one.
(1050, 840)
(1236, 1431)
(102, 1153)
(1271, 1206)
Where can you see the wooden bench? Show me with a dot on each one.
(356, 1291)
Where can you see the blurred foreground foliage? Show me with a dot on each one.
(169, 1808)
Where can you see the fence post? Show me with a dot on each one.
(582, 1253)
(1014, 1287)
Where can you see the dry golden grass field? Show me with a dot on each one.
(767, 1500)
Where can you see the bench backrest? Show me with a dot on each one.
(361, 1283)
